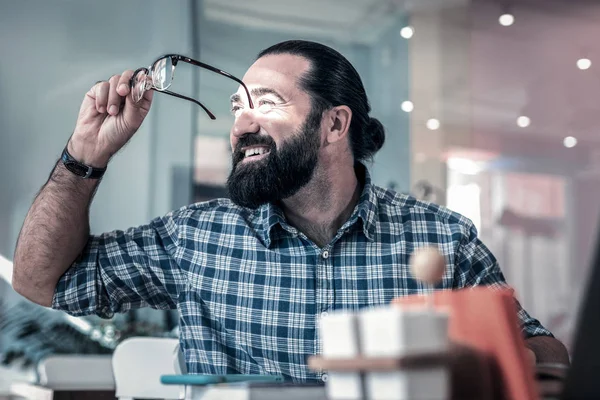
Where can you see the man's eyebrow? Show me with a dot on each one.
(261, 91)
(257, 92)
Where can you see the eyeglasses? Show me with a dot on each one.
(159, 76)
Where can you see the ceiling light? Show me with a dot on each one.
(584, 63)
(433, 124)
(523, 121)
(570, 141)
(506, 19)
(407, 106)
(407, 32)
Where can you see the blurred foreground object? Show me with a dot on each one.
(462, 344)
(485, 321)
(428, 265)
(138, 364)
(29, 333)
(467, 347)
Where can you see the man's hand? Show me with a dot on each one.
(531, 356)
(107, 119)
(547, 349)
(56, 228)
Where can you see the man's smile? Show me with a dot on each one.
(255, 153)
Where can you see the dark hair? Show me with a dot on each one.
(332, 81)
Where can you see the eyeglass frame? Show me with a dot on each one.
(175, 58)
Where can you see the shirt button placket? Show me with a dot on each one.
(327, 283)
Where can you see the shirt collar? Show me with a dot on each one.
(272, 215)
(366, 209)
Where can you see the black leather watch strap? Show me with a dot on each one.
(79, 169)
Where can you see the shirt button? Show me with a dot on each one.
(325, 254)
(324, 314)
(324, 377)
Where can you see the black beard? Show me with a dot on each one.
(281, 173)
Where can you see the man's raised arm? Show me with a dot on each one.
(56, 228)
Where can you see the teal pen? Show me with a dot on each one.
(213, 379)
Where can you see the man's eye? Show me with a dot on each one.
(265, 105)
(235, 110)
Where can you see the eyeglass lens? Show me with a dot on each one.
(162, 73)
(141, 84)
(160, 78)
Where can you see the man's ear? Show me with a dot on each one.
(337, 123)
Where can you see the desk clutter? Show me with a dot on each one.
(462, 344)
(385, 353)
(29, 334)
(38, 344)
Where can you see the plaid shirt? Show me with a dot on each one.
(250, 288)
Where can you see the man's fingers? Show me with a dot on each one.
(114, 99)
(123, 84)
(101, 94)
(141, 108)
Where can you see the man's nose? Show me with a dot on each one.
(245, 123)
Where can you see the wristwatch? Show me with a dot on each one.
(79, 169)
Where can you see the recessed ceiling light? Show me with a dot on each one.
(523, 121)
(584, 63)
(506, 19)
(407, 32)
(407, 106)
(569, 142)
(433, 124)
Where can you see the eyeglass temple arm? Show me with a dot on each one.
(218, 71)
(211, 115)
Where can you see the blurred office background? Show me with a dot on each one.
(490, 106)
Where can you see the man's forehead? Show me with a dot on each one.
(279, 72)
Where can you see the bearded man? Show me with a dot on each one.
(304, 231)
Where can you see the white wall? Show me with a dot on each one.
(389, 87)
(53, 52)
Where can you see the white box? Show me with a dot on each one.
(339, 337)
(393, 332)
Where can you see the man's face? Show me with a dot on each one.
(276, 145)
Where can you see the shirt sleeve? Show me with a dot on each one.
(121, 270)
(476, 265)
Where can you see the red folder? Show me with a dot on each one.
(486, 319)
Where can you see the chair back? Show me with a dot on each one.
(76, 372)
(138, 363)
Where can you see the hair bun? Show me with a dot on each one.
(376, 133)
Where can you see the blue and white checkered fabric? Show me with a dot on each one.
(250, 288)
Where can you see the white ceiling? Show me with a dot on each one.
(526, 69)
(530, 69)
(355, 21)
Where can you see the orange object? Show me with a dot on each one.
(486, 319)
